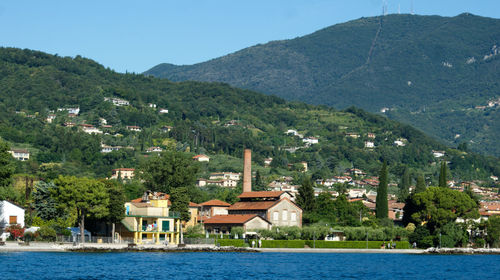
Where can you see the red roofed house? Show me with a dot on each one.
(212, 208)
(201, 158)
(224, 223)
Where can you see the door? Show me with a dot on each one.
(165, 226)
(12, 220)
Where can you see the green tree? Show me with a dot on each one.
(420, 187)
(180, 203)
(170, 170)
(44, 204)
(116, 208)
(404, 185)
(493, 230)
(305, 198)
(85, 196)
(443, 175)
(259, 182)
(6, 169)
(437, 206)
(382, 206)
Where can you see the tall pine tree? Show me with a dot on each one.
(382, 206)
(305, 198)
(404, 185)
(443, 175)
(420, 184)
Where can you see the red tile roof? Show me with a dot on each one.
(231, 219)
(254, 205)
(263, 194)
(215, 202)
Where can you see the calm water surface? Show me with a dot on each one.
(33, 265)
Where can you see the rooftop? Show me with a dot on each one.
(215, 202)
(230, 219)
(262, 194)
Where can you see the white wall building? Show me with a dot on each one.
(10, 214)
(21, 155)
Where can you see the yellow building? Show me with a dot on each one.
(149, 221)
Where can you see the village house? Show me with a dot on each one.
(163, 111)
(123, 173)
(166, 128)
(356, 172)
(109, 149)
(356, 193)
(256, 210)
(352, 135)
(133, 128)
(117, 101)
(212, 208)
(267, 161)
(50, 118)
(154, 150)
(399, 143)
(151, 105)
(20, 154)
(10, 214)
(369, 144)
(371, 135)
(201, 158)
(73, 110)
(438, 154)
(310, 140)
(149, 220)
(90, 129)
(294, 133)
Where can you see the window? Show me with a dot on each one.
(293, 216)
(275, 216)
(165, 226)
(284, 215)
(12, 220)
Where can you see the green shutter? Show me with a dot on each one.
(165, 226)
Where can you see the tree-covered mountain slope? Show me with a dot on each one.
(128, 114)
(433, 72)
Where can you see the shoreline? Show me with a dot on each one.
(57, 247)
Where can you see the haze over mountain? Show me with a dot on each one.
(436, 73)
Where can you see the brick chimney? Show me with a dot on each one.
(247, 170)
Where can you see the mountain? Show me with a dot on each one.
(211, 118)
(436, 73)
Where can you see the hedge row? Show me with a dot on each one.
(232, 242)
(354, 244)
(283, 243)
(311, 244)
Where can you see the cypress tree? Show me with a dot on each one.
(443, 175)
(404, 185)
(305, 198)
(420, 184)
(382, 206)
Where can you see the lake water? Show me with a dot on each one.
(34, 265)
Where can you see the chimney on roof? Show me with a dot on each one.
(247, 170)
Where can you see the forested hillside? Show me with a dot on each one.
(211, 118)
(440, 74)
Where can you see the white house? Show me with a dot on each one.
(163, 111)
(10, 214)
(117, 101)
(399, 143)
(154, 150)
(109, 149)
(310, 140)
(123, 173)
(91, 130)
(50, 118)
(133, 128)
(438, 154)
(369, 144)
(21, 155)
(74, 111)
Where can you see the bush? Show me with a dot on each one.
(283, 243)
(16, 231)
(232, 242)
(354, 244)
(479, 243)
(47, 233)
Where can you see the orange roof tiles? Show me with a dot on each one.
(253, 205)
(215, 202)
(231, 219)
(263, 194)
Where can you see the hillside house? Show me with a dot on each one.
(438, 154)
(10, 214)
(20, 154)
(154, 150)
(166, 128)
(50, 118)
(69, 124)
(267, 161)
(310, 140)
(369, 145)
(371, 135)
(72, 110)
(90, 129)
(352, 135)
(109, 149)
(356, 193)
(201, 158)
(117, 101)
(163, 111)
(399, 143)
(133, 128)
(123, 173)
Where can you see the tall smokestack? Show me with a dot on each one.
(247, 170)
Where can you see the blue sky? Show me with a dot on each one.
(136, 35)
